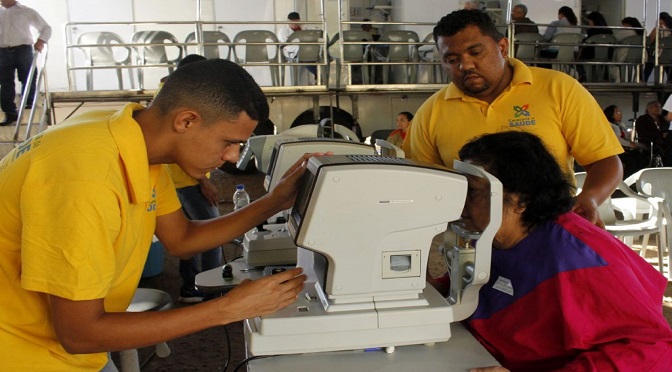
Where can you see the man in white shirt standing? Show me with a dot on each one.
(16, 52)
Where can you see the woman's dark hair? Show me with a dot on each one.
(597, 18)
(635, 23)
(666, 18)
(569, 14)
(458, 20)
(609, 113)
(526, 168)
(218, 89)
(408, 115)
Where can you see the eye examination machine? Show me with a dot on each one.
(271, 244)
(364, 226)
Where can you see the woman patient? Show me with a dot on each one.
(563, 294)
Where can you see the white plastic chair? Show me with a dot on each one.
(565, 58)
(630, 225)
(104, 55)
(595, 72)
(354, 53)
(252, 48)
(145, 299)
(213, 44)
(431, 55)
(155, 52)
(526, 46)
(308, 53)
(399, 52)
(630, 57)
(657, 183)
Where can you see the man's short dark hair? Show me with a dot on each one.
(293, 16)
(218, 89)
(458, 20)
(523, 8)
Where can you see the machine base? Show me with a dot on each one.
(306, 327)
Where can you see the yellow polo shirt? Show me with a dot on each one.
(79, 205)
(547, 103)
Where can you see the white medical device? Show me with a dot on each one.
(272, 244)
(261, 147)
(365, 226)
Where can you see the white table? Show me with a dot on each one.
(460, 353)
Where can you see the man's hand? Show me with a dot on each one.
(263, 296)
(39, 45)
(602, 178)
(209, 190)
(288, 186)
(586, 206)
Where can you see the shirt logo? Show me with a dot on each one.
(521, 111)
(503, 285)
(522, 116)
(152, 203)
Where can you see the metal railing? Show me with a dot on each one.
(36, 75)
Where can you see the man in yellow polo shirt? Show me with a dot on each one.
(82, 200)
(491, 92)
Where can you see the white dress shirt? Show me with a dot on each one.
(16, 23)
(289, 51)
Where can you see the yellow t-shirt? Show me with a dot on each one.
(79, 205)
(547, 103)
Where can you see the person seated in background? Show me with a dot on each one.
(398, 135)
(522, 23)
(664, 29)
(370, 29)
(634, 23)
(566, 17)
(620, 54)
(291, 52)
(652, 129)
(596, 21)
(634, 157)
(553, 273)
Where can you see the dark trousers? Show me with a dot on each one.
(17, 59)
(197, 207)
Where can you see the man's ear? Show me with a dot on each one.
(185, 119)
(503, 44)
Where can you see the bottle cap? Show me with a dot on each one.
(240, 187)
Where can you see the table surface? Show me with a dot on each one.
(460, 353)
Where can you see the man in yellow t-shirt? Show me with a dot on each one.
(491, 92)
(82, 200)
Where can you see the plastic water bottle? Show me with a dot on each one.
(240, 197)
